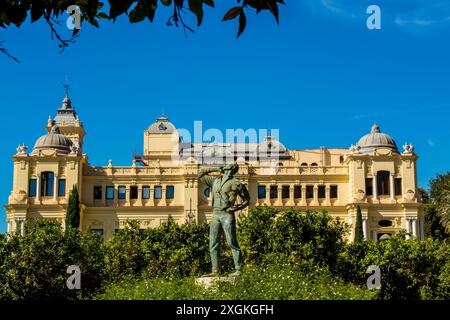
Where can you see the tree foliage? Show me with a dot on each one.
(359, 232)
(73, 210)
(437, 210)
(16, 12)
(306, 236)
(170, 250)
(34, 266)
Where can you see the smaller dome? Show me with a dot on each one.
(162, 125)
(53, 140)
(376, 139)
(271, 146)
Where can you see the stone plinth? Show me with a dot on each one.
(209, 282)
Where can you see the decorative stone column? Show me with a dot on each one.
(163, 194)
(304, 202)
(280, 195)
(127, 196)
(327, 194)
(152, 195)
(38, 188)
(365, 228)
(291, 195)
(55, 187)
(374, 186)
(408, 227)
(316, 195)
(8, 226)
(392, 186)
(21, 222)
(139, 200)
(268, 195)
(414, 227)
(116, 195)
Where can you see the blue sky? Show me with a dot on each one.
(320, 77)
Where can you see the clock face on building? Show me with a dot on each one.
(162, 127)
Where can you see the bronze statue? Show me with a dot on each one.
(225, 190)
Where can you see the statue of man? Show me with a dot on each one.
(225, 190)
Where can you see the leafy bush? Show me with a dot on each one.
(175, 251)
(34, 266)
(124, 255)
(314, 236)
(170, 250)
(410, 269)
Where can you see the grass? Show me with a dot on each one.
(274, 282)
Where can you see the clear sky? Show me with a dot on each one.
(320, 77)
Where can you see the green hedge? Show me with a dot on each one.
(274, 244)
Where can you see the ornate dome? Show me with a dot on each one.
(376, 139)
(162, 125)
(272, 147)
(53, 140)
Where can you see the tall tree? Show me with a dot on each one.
(438, 208)
(444, 210)
(359, 232)
(73, 210)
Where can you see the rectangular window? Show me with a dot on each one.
(309, 192)
(285, 192)
(110, 193)
(100, 232)
(322, 192)
(383, 183)
(32, 188)
(146, 192)
(133, 192)
(170, 192)
(61, 187)
(333, 192)
(297, 192)
(398, 186)
(47, 182)
(158, 192)
(97, 193)
(261, 192)
(369, 187)
(122, 194)
(273, 192)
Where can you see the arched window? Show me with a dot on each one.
(314, 164)
(383, 183)
(304, 164)
(47, 183)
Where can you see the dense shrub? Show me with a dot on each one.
(314, 236)
(124, 255)
(171, 250)
(34, 266)
(410, 269)
(175, 251)
(288, 255)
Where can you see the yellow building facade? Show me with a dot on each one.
(163, 181)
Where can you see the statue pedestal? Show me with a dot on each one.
(209, 282)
